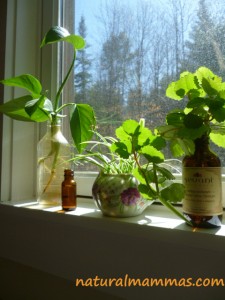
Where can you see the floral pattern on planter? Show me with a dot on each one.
(116, 195)
(130, 196)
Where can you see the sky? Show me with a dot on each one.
(90, 10)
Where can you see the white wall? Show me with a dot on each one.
(68, 247)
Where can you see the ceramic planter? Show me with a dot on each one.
(117, 195)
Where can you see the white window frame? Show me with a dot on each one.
(27, 22)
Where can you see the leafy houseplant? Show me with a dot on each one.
(204, 114)
(189, 131)
(36, 107)
(137, 151)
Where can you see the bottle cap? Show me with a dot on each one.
(68, 172)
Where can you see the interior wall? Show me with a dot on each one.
(42, 249)
(3, 13)
(29, 283)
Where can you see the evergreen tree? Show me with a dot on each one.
(83, 67)
(204, 47)
(115, 63)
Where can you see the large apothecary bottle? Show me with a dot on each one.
(202, 179)
(53, 157)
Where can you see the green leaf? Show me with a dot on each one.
(158, 142)
(180, 147)
(145, 136)
(218, 139)
(192, 133)
(218, 128)
(222, 91)
(197, 102)
(177, 90)
(216, 103)
(168, 131)
(15, 109)
(210, 87)
(147, 192)
(175, 118)
(152, 154)
(173, 193)
(176, 149)
(121, 149)
(130, 127)
(82, 123)
(58, 34)
(138, 174)
(218, 114)
(35, 108)
(34, 104)
(203, 73)
(192, 121)
(121, 134)
(165, 173)
(143, 175)
(55, 34)
(48, 106)
(25, 81)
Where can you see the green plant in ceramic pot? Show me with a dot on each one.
(35, 106)
(135, 157)
(189, 131)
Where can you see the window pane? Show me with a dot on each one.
(136, 48)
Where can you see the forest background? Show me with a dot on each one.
(138, 50)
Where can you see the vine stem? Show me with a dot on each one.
(54, 152)
(165, 203)
(56, 147)
(56, 104)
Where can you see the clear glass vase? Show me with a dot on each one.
(53, 157)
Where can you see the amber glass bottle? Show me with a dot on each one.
(202, 204)
(69, 201)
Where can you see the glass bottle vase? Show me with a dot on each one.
(202, 179)
(53, 157)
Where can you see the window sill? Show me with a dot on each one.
(154, 216)
(83, 243)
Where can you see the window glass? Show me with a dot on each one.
(136, 48)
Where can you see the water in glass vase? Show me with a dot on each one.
(53, 155)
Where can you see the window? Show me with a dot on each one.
(136, 48)
(132, 53)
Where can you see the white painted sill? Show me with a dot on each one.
(84, 243)
(154, 216)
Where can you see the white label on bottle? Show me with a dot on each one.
(203, 191)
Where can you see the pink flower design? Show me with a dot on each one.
(130, 196)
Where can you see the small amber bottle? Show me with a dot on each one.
(202, 179)
(69, 200)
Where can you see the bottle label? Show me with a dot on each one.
(203, 191)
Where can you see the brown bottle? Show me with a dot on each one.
(202, 179)
(69, 200)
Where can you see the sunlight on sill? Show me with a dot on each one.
(153, 216)
(160, 222)
(78, 212)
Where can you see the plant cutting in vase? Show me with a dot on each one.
(137, 151)
(189, 131)
(36, 107)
